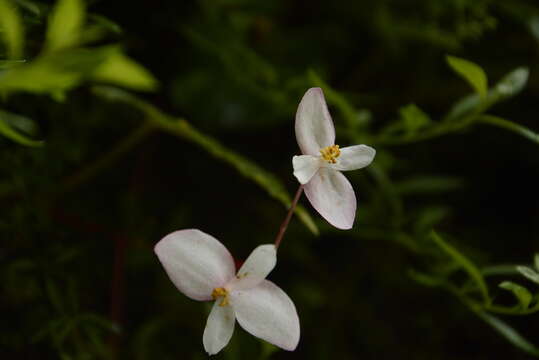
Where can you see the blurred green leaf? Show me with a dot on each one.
(512, 83)
(466, 264)
(414, 118)
(529, 273)
(536, 261)
(13, 127)
(183, 129)
(471, 72)
(509, 333)
(521, 293)
(65, 25)
(12, 30)
(120, 70)
(54, 73)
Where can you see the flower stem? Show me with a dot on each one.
(284, 225)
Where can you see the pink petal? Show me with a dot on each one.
(333, 197)
(314, 127)
(353, 158)
(219, 328)
(195, 262)
(255, 269)
(305, 166)
(267, 312)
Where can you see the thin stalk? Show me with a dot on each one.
(109, 158)
(284, 225)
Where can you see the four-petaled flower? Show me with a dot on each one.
(319, 169)
(203, 269)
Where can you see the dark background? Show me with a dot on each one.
(78, 277)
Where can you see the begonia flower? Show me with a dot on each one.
(320, 166)
(203, 269)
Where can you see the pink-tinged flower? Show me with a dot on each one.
(203, 269)
(319, 169)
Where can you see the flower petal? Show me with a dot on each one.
(305, 166)
(195, 262)
(314, 127)
(333, 197)
(268, 313)
(354, 157)
(255, 269)
(219, 328)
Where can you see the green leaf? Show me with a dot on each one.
(12, 30)
(65, 25)
(181, 128)
(11, 126)
(509, 333)
(512, 83)
(414, 118)
(120, 70)
(521, 293)
(536, 261)
(471, 72)
(54, 73)
(464, 263)
(529, 273)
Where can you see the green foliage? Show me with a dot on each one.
(120, 70)
(470, 72)
(65, 26)
(521, 293)
(464, 263)
(11, 29)
(510, 334)
(18, 129)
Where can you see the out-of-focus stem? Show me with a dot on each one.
(109, 158)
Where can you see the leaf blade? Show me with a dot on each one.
(12, 29)
(470, 72)
(65, 25)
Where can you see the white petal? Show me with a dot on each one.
(354, 157)
(333, 197)
(305, 166)
(267, 312)
(255, 269)
(219, 328)
(314, 127)
(195, 262)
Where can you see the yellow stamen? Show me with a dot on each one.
(330, 153)
(218, 292)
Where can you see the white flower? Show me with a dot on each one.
(319, 169)
(203, 269)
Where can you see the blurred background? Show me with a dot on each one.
(124, 121)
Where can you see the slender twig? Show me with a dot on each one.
(284, 225)
(108, 158)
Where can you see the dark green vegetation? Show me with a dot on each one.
(141, 118)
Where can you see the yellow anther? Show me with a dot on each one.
(330, 153)
(218, 292)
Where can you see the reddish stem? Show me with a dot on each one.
(284, 225)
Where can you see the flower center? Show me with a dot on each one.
(330, 153)
(220, 292)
